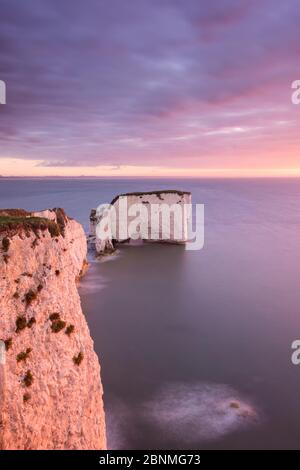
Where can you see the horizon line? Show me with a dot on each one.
(90, 177)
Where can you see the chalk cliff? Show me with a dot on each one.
(50, 389)
(153, 216)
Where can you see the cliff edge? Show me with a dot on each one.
(50, 390)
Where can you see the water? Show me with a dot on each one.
(195, 347)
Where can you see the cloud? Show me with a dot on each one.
(84, 80)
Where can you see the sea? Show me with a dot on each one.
(195, 346)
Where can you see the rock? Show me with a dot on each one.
(62, 407)
(122, 224)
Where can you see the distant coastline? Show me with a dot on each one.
(172, 177)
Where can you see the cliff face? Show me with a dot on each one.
(50, 390)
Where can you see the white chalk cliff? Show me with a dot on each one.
(50, 386)
(153, 219)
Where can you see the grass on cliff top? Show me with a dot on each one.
(157, 193)
(14, 220)
(14, 224)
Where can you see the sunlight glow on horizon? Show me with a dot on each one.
(10, 167)
(208, 92)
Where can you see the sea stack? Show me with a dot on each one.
(50, 390)
(155, 216)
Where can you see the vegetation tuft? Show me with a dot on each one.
(30, 296)
(58, 325)
(31, 322)
(22, 356)
(15, 221)
(21, 323)
(28, 379)
(78, 359)
(5, 243)
(69, 330)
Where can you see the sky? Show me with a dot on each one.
(149, 87)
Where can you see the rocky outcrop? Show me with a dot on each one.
(50, 387)
(156, 216)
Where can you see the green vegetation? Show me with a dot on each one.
(78, 359)
(21, 323)
(17, 220)
(61, 218)
(22, 356)
(29, 297)
(147, 193)
(53, 229)
(28, 379)
(58, 325)
(5, 243)
(69, 330)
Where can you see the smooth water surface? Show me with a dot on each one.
(195, 347)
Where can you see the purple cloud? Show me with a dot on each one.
(147, 82)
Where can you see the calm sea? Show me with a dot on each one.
(195, 347)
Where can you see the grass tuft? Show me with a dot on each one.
(22, 356)
(78, 359)
(28, 379)
(5, 244)
(30, 296)
(69, 330)
(15, 221)
(58, 325)
(21, 323)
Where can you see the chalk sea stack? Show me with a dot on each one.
(119, 216)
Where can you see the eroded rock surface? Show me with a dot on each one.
(50, 391)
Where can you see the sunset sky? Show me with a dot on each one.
(149, 87)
